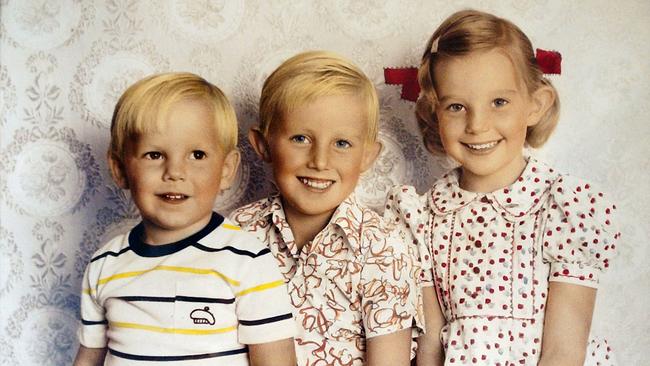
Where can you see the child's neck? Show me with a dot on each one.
(486, 183)
(155, 235)
(303, 226)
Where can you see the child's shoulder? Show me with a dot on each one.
(575, 194)
(357, 214)
(404, 201)
(255, 211)
(563, 186)
(231, 235)
(360, 221)
(112, 248)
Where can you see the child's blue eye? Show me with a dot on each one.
(300, 139)
(500, 102)
(153, 155)
(342, 144)
(455, 107)
(198, 155)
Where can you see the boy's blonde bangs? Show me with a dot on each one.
(306, 77)
(144, 107)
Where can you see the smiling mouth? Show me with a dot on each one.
(319, 184)
(483, 146)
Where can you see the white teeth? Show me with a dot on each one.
(316, 184)
(483, 146)
(174, 196)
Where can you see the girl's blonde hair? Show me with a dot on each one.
(144, 106)
(468, 31)
(309, 75)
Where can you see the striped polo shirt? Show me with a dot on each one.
(197, 301)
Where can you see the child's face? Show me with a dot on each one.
(175, 173)
(484, 110)
(318, 153)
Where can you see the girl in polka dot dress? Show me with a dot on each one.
(511, 249)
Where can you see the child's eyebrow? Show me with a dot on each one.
(445, 98)
(506, 91)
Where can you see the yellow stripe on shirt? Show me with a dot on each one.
(200, 271)
(262, 287)
(152, 328)
(231, 227)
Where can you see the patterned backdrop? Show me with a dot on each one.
(63, 64)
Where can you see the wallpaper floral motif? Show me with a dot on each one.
(64, 63)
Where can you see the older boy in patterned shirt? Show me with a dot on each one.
(351, 282)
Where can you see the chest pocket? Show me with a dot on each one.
(485, 264)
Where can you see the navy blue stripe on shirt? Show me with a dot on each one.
(266, 320)
(91, 322)
(176, 358)
(232, 249)
(211, 300)
(112, 254)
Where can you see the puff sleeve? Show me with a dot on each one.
(580, 235)
(408, 211)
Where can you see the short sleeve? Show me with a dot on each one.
(408, 211)
(580, 236)
(389, 289)
(92, 332)
(263, 308)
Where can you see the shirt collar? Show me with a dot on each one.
(348, 218)
(278, 219)
(518, 199)
(137, 244)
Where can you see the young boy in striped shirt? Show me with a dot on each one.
(185, 286)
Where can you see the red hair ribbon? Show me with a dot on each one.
(550, 62)
(408, 78)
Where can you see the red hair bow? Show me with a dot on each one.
(408, 78)
(550, 62)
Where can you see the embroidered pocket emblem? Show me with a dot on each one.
(202, 316)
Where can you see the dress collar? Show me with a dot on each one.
(518, 199)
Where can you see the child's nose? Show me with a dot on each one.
(319, 157)
(477, 122)
(174, 170)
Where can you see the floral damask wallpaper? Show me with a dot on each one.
(63, 64)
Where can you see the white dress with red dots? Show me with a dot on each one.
(491, 256)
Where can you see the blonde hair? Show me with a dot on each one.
(144, 106)
(468, 31)
(308, 76)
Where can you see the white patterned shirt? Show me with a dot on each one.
(354, 281)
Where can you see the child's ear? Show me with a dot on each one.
(370, 155)
(258, 141)
(541, 101)
(229, 168)
(117, 171)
